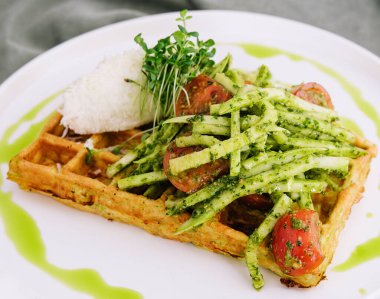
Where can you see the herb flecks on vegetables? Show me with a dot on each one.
(171, 63)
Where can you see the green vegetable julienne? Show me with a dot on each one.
(282, 206)
(265, 125)
(201, 128)
(305, 201)
(205, 119)
(142, 179)
(235, 159)
(291, 185)
(196, 139)
(162, 136)
(253, 184)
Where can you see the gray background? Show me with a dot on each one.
(30, 27)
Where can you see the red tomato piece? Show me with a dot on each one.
(194, 179)
(314, 93)
(295, 242)
(202, 91)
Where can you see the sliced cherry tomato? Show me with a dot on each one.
(295, 242)
(314, 93)
(257, 201)
(202, 91)
(194, 179)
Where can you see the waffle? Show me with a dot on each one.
(55, 166)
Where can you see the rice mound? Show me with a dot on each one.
(102, 101)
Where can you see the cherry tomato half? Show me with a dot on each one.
(202, 91)
(295, 242)
(194, 179)
(314, 93)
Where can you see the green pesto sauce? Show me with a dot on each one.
(366, 107)
(369, 215)
(364, 252)
(25, 235)
(362, 291)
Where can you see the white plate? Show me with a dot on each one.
(157, 268)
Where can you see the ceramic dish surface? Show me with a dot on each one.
(56, 240)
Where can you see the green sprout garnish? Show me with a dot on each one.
(173, 62)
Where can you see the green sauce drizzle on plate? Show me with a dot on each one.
(23, 231)
(364, 252)
(8, 150)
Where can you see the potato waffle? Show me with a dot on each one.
(55, 166)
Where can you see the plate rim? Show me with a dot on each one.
(33, 63)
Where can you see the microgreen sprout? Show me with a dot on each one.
(171, 63)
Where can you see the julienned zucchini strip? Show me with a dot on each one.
(201, 195)
(306, 133)
(162, 136)
(222, 149)
(334, 148)
(290, 185)
(196, 139)
(305, 201)
(239, 101)
(281, 207)
(235, 156)
(252, 185)
(253, 166)
(318, 125)
(250, 94)
(210, 129)
(214, 152)
(142, 179)
(214, 121)
(205, 119)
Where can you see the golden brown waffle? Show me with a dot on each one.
(56, 166)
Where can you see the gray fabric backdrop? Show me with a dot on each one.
(30, 27)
